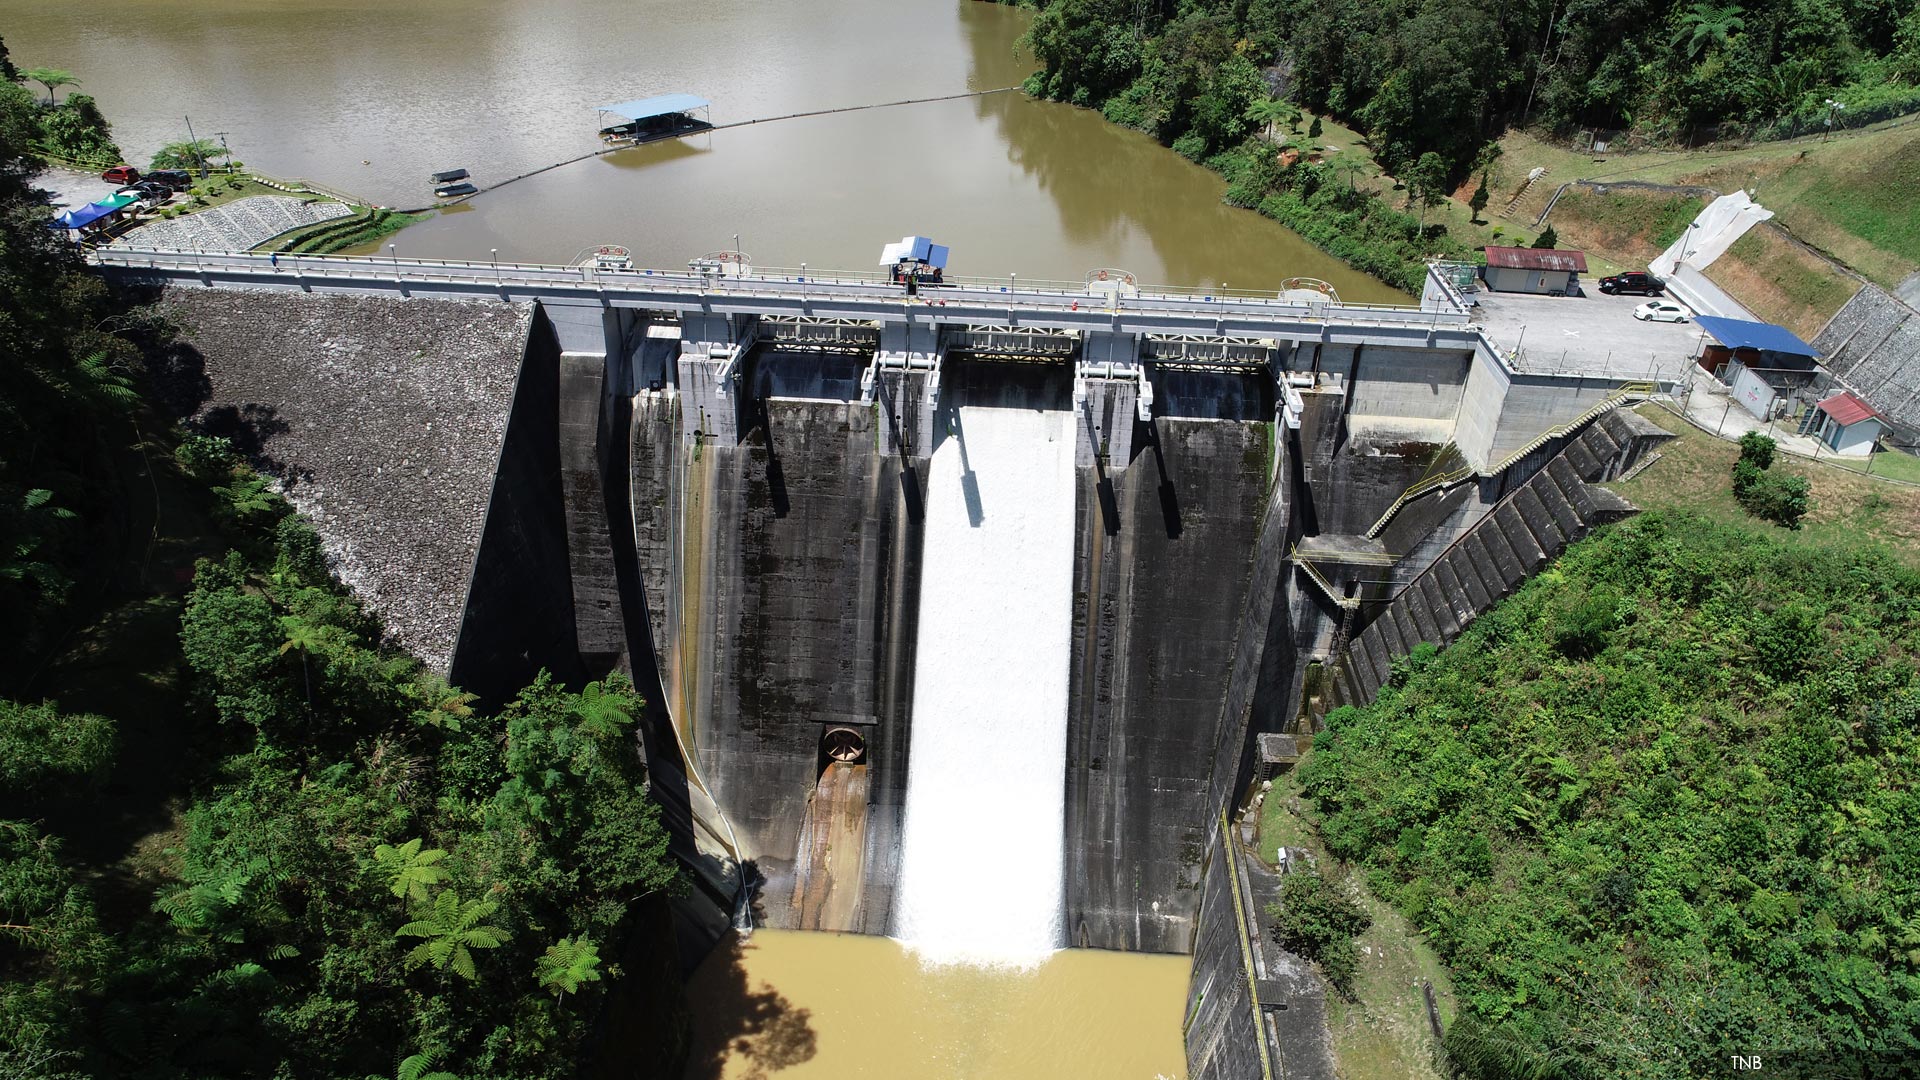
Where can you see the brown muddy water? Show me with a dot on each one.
(371, 96)
(801, 1006)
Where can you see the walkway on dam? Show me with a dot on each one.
(824, 294)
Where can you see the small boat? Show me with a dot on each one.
(449, 176)
(449, 191)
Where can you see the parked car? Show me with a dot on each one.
(121, 174)
(147, 190)
(177, 179)
(1660, 311)
(1636, 283)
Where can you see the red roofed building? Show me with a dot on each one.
(1847, 425)
(1533, 270)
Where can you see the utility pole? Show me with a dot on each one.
(224, 152)
(194, 142)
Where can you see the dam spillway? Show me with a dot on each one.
(980, 878)
(735, 510)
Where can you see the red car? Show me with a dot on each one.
(121, 174)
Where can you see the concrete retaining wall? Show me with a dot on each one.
(519, 602)
(1536, 403)
(1533, 523)
(1254, 1011)
(1408, 383)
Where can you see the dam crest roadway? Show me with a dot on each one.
(1113, 329)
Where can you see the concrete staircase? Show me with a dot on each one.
(1522, 207)
(1556, 507)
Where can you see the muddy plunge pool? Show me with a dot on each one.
(810, 1006)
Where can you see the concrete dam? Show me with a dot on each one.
(965, 629)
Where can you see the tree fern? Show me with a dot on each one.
(566, 964)
(452, 928)
(415, 1066)
(410, 873)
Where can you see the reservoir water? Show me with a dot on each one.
(371, 96)
(798, 1006)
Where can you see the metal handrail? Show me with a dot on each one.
(1347, 602)
(1620, 395)
(765, 283)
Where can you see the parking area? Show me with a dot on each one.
(72, 190)
(1594, 334)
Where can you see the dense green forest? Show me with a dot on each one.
(344, 869)
(1445, 76)
(1658, 808)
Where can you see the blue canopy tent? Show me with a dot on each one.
(92, 213)
(658, 117)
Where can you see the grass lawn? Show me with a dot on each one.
(1385, 1035)
(1695, 472)
(1849, 195)
(1622, 229)
(215, 190)
(1769, 272)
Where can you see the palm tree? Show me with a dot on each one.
(1351, 167)
(187, 155)
(409, 872)
(452, 927)
(566, 964)
(33, 522)
(51, 78)
(1271, 111)
(1704, 24)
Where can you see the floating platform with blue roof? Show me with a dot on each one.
(644, 120)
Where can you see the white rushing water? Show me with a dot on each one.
(980, 879)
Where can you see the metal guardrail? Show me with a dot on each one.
(1246, 946)
(1348, 603)
(1620, 395)
(770, 283)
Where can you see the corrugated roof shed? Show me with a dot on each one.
(1847, 410)
(1537, 259)
(1742, 334)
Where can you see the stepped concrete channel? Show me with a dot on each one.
(727, 498)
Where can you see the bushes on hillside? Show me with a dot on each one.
(1319, 920)
(45, 751)
(1782, 498)
(1664, 790)
(1444, 77)
(76, 130)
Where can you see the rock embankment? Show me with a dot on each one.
(381, 418)
(236, 226)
